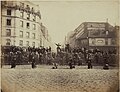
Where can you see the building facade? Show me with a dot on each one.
(94, 35)
(21, 24)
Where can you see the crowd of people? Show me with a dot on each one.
(19, 55)
(14, 55)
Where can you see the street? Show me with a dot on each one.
(44, 79)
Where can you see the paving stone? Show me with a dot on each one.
(45, 79)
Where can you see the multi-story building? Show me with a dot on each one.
(21, 24)
(93, 35)
(46, 37)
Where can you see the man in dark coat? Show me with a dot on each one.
(13, 62)
(33, 62)
(89, 61)
(34, 56)
(105, 57)
(71, 63)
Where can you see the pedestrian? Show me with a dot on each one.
(55, 65)
(70, 63)
(89, 64)
(33, 62)
(106, 64)
(89, 61)
(106, 67)
(96, 57)
(13, 62)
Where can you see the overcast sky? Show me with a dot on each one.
(61, 17)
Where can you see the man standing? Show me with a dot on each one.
(33, 61)
(89, 61)
(13, 62)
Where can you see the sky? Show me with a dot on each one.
(61, 17)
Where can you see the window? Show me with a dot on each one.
(21, 34)
(113, 41)
(8, 41)
(33, 35)
(27, 34)
(21, 14)
(34, 18)
(27, 43)
(34, 26)
(21, 5)
(9, 22)
(33, 44)
(21, 43)
(8, 12)
(21, 23)
(103, 32)
(27, 7)
(28, 16)
(94, 33)
(8, 32)
(28, 25)
(32, 9)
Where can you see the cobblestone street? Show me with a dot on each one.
(45, 79)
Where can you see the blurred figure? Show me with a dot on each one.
(89, 61)
(89, 64)
(106, 67)
(106, 63)
(55, 66)
(33, 61)
(13, 62)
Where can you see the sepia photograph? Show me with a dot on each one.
(59, 45)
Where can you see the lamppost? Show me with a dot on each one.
(88, 42)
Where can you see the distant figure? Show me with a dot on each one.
(55, 66)
(67, 48)
(49, 49)
(96, 57)
(13, 62)
(105, 57)
(106, 67)
(33, 62)
(89, 64)
(106, 63)
(90, 61)
(71, 64)
(58, 48)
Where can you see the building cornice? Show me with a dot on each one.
(18, 7)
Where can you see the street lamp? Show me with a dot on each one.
(88, 42)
